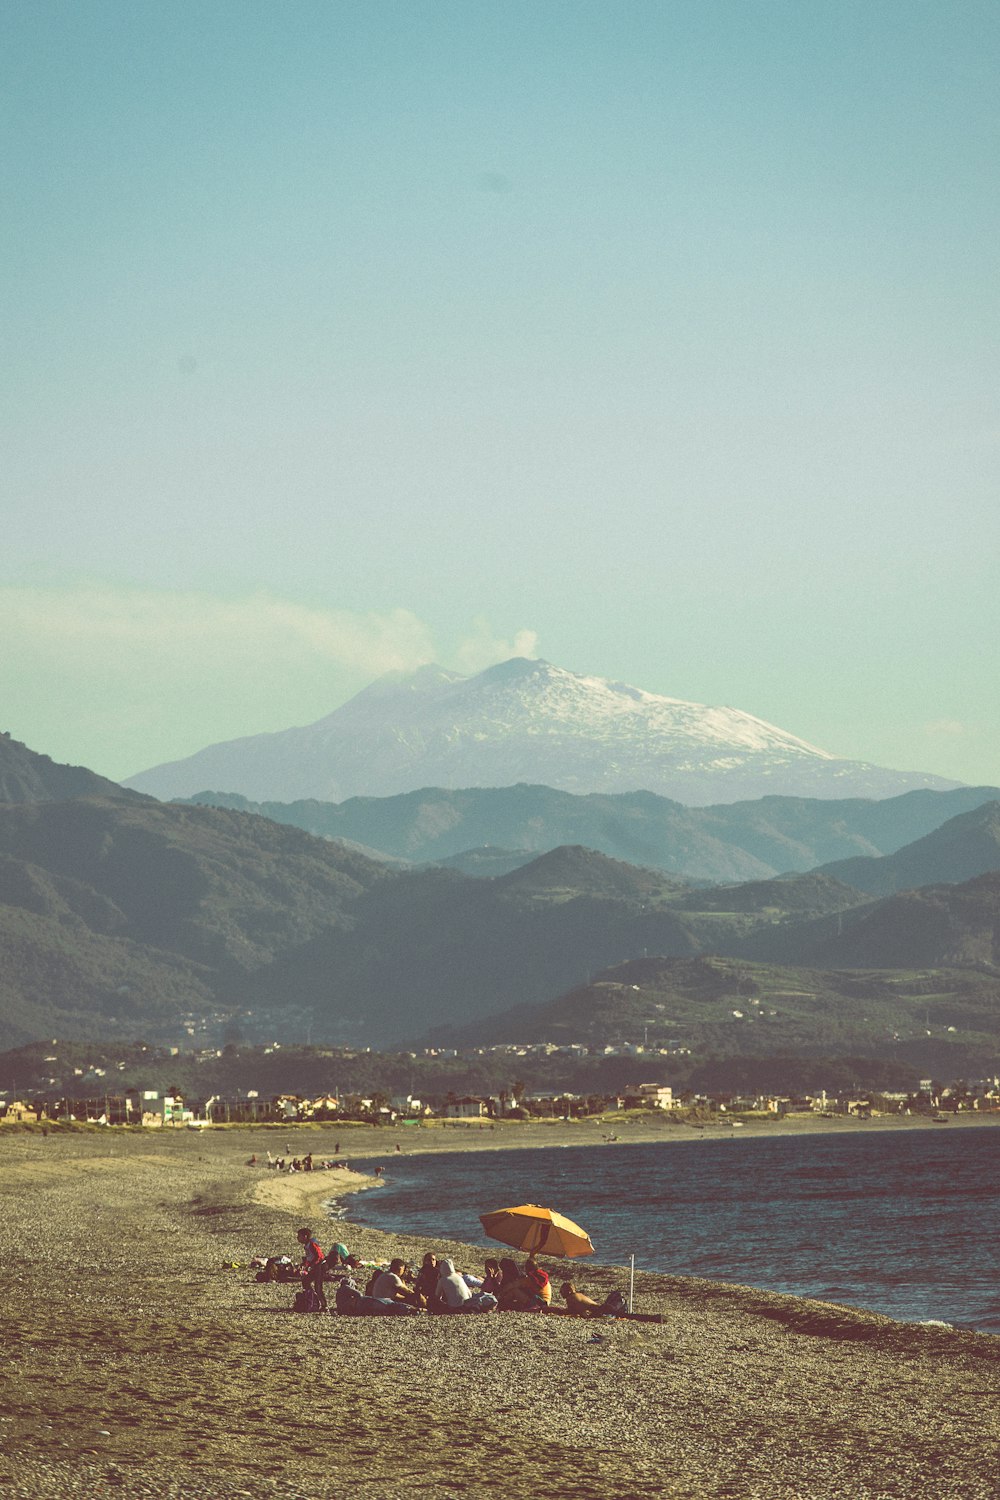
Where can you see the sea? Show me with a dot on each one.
(905, 1222)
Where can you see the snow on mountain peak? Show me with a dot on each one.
(523, 720)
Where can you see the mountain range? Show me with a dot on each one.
(524, 721)
(477, 829)
(121, 915)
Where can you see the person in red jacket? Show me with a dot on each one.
(313, 1266)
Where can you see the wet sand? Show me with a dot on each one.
(132, 1360)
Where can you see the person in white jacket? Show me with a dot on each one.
(454, 1292)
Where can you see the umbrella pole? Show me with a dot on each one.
(631, 1285)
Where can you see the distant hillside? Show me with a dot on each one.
(486, 861)
(719, 1009)
(572, 871)
(966, 845)
(26, 776)
(797, 896)
(941, 925)
(429, 947)
(525, 721)
(122, 916)
(62, 975)
(730, 842)
(136, 911)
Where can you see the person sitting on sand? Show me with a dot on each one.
(313, 1265)
(454, 1292)
(531, 1292)
(427, 1280)
(509, 1273)
(493, 1279)
(391, 1285)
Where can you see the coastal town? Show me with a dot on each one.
(95, 1094)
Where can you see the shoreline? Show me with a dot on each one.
(300, 1193)
(389, 1143)
(434, 1136)
(164, 1375)
(795, 1277)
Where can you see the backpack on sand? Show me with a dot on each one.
(306, 1301)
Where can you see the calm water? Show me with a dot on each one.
(906, 1223)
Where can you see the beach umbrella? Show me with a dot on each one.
(540, 1231)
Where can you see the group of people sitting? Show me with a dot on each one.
(437, 1287)
(304, 1163)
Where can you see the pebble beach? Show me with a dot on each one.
(135, 1360)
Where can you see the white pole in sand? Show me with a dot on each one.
(631, 1284)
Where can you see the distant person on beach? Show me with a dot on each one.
(313, 1265)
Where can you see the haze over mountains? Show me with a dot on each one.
(524, 721)
(476, 829)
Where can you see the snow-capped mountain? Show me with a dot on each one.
(524, 721)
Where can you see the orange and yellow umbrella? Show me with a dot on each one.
(540, 1231)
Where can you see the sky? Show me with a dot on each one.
(656, 339)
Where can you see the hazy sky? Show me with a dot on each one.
(659, 339)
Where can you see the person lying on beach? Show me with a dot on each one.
(454, 1293)
(579, 1305)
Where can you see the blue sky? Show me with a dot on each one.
(658, 339)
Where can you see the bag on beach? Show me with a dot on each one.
(306, 1301)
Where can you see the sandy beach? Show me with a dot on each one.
(134, 1361)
